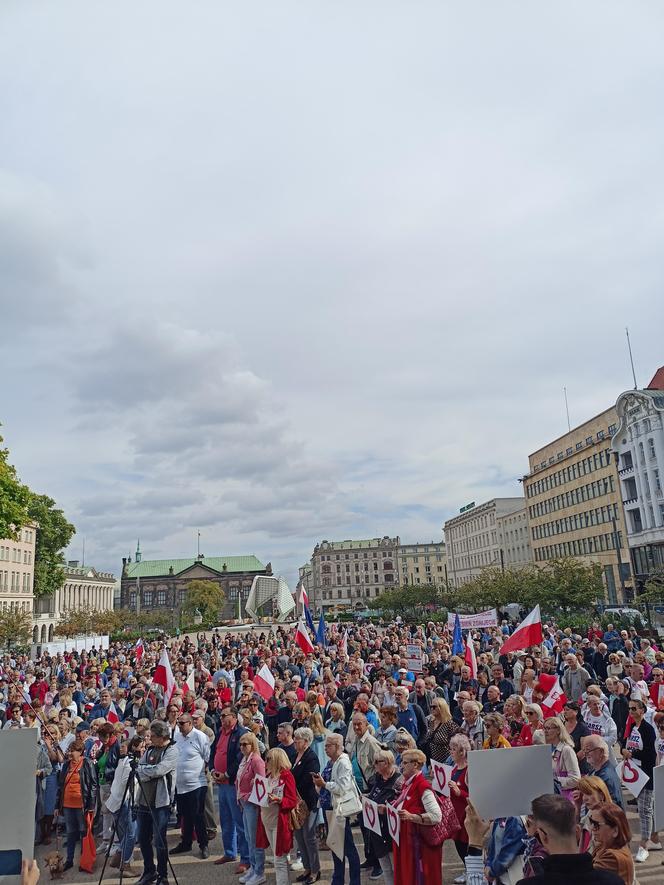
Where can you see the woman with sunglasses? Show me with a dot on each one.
(640, 746)
(250, 766)
(611, 837)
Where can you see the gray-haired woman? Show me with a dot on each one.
(306, 764)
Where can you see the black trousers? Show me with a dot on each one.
(191, 808)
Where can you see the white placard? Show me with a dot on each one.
(631, 776)
(393, 822)
(440, 777)
(470, 622)
(18, 762)
(658, 783)
(370, 815)
(504, 783)
(414, 655)
(259, 791)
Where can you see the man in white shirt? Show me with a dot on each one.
(192, 785)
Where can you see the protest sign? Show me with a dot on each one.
(370, 815)
(631, 776)
(18, 759)
(488, 618)
(440, 777)
(259, 791)
(502, 783)
(658, 784)
(393, 822)
(414, 655)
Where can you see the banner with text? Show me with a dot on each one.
(471, 622)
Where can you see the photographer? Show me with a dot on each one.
(125, 828)
(156, 773)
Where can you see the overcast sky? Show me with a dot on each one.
(284, 272)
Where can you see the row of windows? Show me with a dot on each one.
(355, 556)
(327, 569)
(575, 522)
(427, 569)
(573, 471)
(15, 582)
(13, 554)
(596, 489)
(569, 451)
(329, 594)
(439, 558)
(327, 580)
(582, 547)
(16, 606)
(473, 525)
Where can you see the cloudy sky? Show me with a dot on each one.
(284, 272)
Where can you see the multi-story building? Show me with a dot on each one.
(422, 563)
(349, 573)
(84, 587)
(574, 505)
(17, 570)
(493, 534)
(162, 583)
(638, 443)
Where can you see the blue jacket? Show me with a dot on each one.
(505, 844)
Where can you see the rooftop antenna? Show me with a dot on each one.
(198, 545)
(569, 426)
(83, 559)
(631, 358)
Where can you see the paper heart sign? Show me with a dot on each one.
(440, 777)
(393, 822)
(259, 791)
(370, 815)
(633, 777)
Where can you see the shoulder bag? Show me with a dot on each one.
(446, 828)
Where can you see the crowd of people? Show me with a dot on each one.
(348, 720)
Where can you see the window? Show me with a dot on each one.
(569, 451)
(600, 434)
(612, 429)
(651, 448)
(589, 440)
(161, 597)
(147, 597)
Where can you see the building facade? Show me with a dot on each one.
(162, 583)
(639, 446)
(84, 587)
(347, 574)
(422, 563)
(574, 506)
(489, 535)
(17, 570)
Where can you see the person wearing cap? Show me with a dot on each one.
(139, 707)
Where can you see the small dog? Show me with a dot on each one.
(54, 862)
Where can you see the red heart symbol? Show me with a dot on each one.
(260, 789)
(371, 814)
(633, 774)
(392, 819)
(441, 777)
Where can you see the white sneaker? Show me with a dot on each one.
(653, 846)
(641, 855)
(297, 866)
(256, 880)
(244, 878)
(460, 879)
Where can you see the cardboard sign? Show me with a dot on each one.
(259, 791)
(414, 656)
(393, 822)
(440, 777)
(504, 783)
(370, 815)
(18, 761)
(470, 622)
(658, 784)
(631, 776)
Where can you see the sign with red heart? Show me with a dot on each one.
(440, 777)
(633, 777)
(393, 822)
(370, 815)
(258, 793)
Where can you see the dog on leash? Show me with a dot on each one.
(53, 863)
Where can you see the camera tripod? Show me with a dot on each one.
(129, 791)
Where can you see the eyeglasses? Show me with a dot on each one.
(632, 709)
(596, 824)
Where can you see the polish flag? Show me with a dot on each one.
(163, 675)
(304, 597)
(138, 651)
(469, 657)
(264, 682)
(302, 638)
(191, 681)
(113, 714)
(529, 632)
(555, 700)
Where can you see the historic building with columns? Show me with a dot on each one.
(84, 586)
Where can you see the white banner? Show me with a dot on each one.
(503, 783)
(488, 618)
(370, 815)
(440, 777)
(393, 822)
(414, 655)
(632, 777)
(259, 791)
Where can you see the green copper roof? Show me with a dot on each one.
(153, 568)
(354, 545)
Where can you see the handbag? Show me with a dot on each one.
(88, 847)
(349, 804)
(446, 828)
(297, 816)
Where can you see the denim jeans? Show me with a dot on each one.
(146, 835)
(125, 832)
(350, 855)
(232, 826)
(250, 814)
(76, 829)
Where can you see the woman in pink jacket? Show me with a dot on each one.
(251, 765)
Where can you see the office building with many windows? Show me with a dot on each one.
(346, 574)
(422, 563)
(17, 570)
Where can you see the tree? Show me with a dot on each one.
(207, 597)
(53, 535)
(15, 627)
(653, 589)
(14, 498)
(410, 601)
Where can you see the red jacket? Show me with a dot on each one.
(284, 832)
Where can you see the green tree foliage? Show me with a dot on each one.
(53, 535)
(14, 498)
(653, 590)
(207, 597)
(15, 628)
(410, 601)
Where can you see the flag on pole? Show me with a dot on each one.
(264, 682)
(113, 714)
(457, 638)
(302, 638)
(304, 597)
(469, 657)
(529, 632)
(320, 633)
(163, 675)
(309, 619)
(191, 681)
(555, 699)
(139, 648)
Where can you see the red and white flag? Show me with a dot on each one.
(304, 597)
(302, 638)
(113, 714)
(191, 681)
(529, 632)
(264, 682)
(555, 699)
(163, 675)
(138, 650)
(469, 657)
(343, 648)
